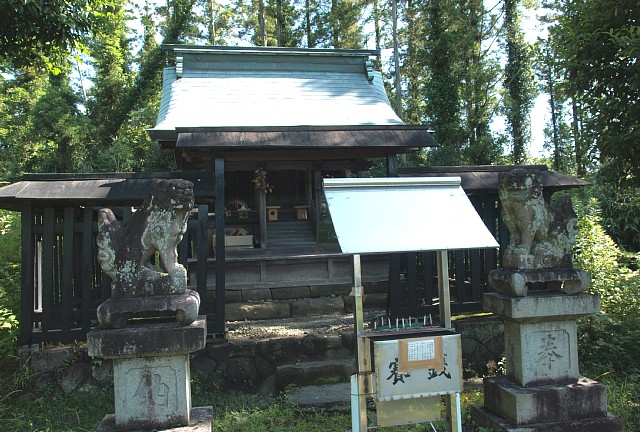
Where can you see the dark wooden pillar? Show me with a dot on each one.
(317, 187)
(218, 327)
(261, 194)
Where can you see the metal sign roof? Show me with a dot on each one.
(404, 214)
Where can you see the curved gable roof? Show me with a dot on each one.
(214, 92)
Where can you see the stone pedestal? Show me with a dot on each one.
(152, 376)
(543, 390)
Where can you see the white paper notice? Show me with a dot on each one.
(421, 350)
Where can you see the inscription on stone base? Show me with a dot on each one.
(152, 392)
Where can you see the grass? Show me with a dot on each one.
(27, 406)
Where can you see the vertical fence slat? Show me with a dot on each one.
(412, 279)
(459, 272)
(394, 299)
(66, 290)
(87, 264)
(48, 222)
(27, 259)
(476, 274)
(203, 253)
(429, 286)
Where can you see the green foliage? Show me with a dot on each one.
(621, 216)
(596, 43)
(41, 33)
(8, 334)
(518, 82)
(607, 340)
(9, 282)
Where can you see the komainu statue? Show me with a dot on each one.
(126, 250)
(542, 237)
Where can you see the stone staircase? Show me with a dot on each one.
(281, 234)
(310, 359)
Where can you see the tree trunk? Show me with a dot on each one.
(279, 22)
(307, 15)
(262, 23)
(581, 169)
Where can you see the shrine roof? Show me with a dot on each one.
(222, 97)
(484, 178)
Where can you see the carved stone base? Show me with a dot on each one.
(114, 312)
(484, 418)
(151, 372)
(545, 404)
(517, 282)
(540, 334)
(200, 422)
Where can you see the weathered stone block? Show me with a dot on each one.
(258, 311)
(541, 353)
(327, 290)
(200, 422)
(317, 306)
(256, 294)
(148, 340)
(545, 404)
(114, 312)
(288, 293)
(484, 418)
(152, 392)
(517, 282)
(542, 306)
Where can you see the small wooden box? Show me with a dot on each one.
(245, 241)
(302, 212)
(273, 213)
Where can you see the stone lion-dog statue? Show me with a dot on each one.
(542, 237)
(126, 249)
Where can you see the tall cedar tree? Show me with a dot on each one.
(518, 82)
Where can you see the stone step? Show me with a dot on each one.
(314, 373)
(329, 397)
(285, 308)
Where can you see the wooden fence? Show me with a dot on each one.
(413, 283)
(62, 283)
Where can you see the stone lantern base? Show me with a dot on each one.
(152, 380)
(543, 389)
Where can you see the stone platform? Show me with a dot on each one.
(484, 418)
(200, 422)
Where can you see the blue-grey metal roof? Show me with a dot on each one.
(254, 88)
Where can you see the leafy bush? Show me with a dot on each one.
(621, 217)
(607, 340)
(8, 333)
(9, 282)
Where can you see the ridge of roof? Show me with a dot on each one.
(215, 49)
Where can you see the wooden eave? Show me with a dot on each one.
(484, 178)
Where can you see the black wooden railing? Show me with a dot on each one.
(62, 283)
(413, 283)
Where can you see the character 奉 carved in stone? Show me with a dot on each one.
(542, 238)
(125, 251)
